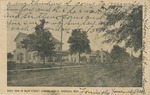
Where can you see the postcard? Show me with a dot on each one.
(74, 47)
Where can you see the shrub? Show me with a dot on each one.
(11, 65)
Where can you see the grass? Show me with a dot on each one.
(89, 75)
(16, 66)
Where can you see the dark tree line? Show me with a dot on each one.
(128, 23)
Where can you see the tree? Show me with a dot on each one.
(119, 54)
(123, 24)
(79, 42)
(9, 56)
(140, 57)
(40, 41)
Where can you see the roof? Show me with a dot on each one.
(95, 53)
(21, 34)
(56, 40)
(106, 52)
(25, 35)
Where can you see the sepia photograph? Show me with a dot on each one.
(80, 45)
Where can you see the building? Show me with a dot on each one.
(99, 56)
(22, 56)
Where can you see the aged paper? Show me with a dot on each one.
(74, 47)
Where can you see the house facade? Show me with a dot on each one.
(99, 56)
(22, 56)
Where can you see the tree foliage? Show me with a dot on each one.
(123, 24)
(118, 54)
(9, 55)
(40, 41)
(79, 42)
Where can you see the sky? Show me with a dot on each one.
(87, 17)
(28, 20)
(95, 43)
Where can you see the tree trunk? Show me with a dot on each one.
(38, 58)
(26, 60)
(79, 57)
(44, 60)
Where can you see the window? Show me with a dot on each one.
(29, 56)
(104, 56)
(20, 56)
(34, 56)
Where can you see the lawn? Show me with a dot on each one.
(90, 75)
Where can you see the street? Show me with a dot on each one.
(90, 75)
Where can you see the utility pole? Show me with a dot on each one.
(61, 41)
